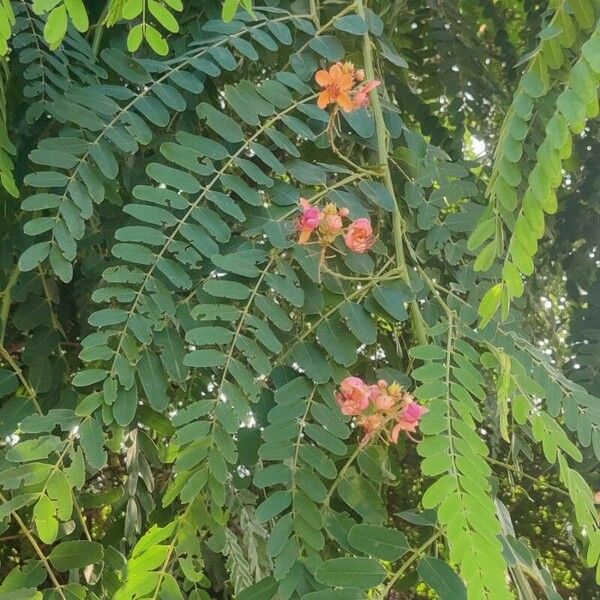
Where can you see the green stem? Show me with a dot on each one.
(536, 480)
(413, 557)
(419, 327)
(342, 472)
(314, 11)
(6, 302)
(99, 30)
(5, 354)
(55, 322)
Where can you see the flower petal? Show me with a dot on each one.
(324, 99)
(336, 75)
(345, 102)
(323, 78)
(304, 236)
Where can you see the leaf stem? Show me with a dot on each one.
(320, 30)
(99, 30)
(521, 473)
(361, 291)
(413, 557)
(419, 327)
(5, 354)
(314, 11)
(6, 302)
(341, 474)
(48, 295)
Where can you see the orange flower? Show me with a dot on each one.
(336, 84)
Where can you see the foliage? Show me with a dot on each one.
(202, 257)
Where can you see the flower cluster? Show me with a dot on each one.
(338, 87)
(378, 405)
(328, 224)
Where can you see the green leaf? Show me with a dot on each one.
(76, 555)
(33, 256)
(275, 503)
(8, 382)
(327, 46)
(483, 231)
(265, 588)
(485, 258)
(56, 26)
(92, 442)
(16, 503)
(156, 41)
(438, 575)
(44, 516)
(78, 14)
(427, 352)
(334, 337)
(351, 24)
(379, 542)
(153, 381)
(489, 303)
(392, 297)
(163, 16)
(361, 573)
(359, 322)
(230, 7)
(204, 358)
(135, 38)
(312, 362)
(378, 194)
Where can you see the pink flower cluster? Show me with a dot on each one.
(328, 224)
(379, 405)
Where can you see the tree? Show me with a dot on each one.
(299, 300)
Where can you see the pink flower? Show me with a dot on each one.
(361, 97)
(309, 220)
(379, 396)
(384, 402)
(353, 396)
(408, 419)
(359, 237)
(597, 497)
(359, 75)
(379, 388)
(370, 423)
